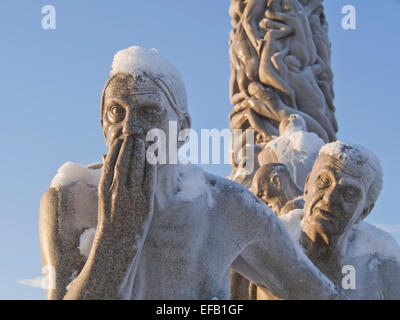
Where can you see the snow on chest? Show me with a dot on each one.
(192, 185)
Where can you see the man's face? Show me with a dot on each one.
(266, 187)
(133, 106)
(334, 200)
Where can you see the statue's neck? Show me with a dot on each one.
(278, 202)
(167, 183)
(321, 249)
(284, 197)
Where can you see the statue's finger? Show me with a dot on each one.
(122, 166)
(109, 164)
(150, 178)
(138, 163)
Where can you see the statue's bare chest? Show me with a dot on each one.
(181, 228)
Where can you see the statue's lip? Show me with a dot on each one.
(324, 214)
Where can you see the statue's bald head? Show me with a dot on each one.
(265, 177)
(274, 185)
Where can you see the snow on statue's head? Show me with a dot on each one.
(355, 156)
(153, 71)
(340, 191)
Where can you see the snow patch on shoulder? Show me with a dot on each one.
(71, 172)
(369, 240)
(292, 223)
(192, 184)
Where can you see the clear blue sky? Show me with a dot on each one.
(52, 81)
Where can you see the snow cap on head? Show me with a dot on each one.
(351, 153)
(356, 156)
(138, 61)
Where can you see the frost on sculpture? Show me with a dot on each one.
(280, 62)
(158, 237)
(280, 71)
(282, 89)
(340, 192)
(295, 147)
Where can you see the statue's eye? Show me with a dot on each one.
(324, 181)
(116, 113)
(350, 193)
(150, 110)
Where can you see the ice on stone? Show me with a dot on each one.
(372, 240)
(297, 149)
(355, 153)
(292, 223)
(86, 241)
(192, 184)
(364, 238)
(137, 61)
(71, 172)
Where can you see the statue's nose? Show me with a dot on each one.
(331, 197)
(132, 125)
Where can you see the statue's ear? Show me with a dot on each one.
(365, 212)
(306, 183)
(184, 123)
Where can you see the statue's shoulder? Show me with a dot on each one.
(194, 182)
(228, 188)
(73, 194)
(235, 197)
(292, 223)
(72, 173)
(368, 239)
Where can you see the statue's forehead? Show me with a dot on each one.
(124, 84)
(340, 169)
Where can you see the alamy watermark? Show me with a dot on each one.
(200, 148)
(49, 19)
(349, 279)
(349, 21)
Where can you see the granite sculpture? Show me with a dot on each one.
(340, 193)
(282, 88)
(274, 185)
(128, 228)
(280, 62)
(280, 73)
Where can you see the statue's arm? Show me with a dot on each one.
(50, 244)
(126, 198)
(59, 239)
(274, 261)
(252, 14)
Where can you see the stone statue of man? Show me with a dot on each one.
(296, 148)
(340, 192)
(162, 231)
(274, 185)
